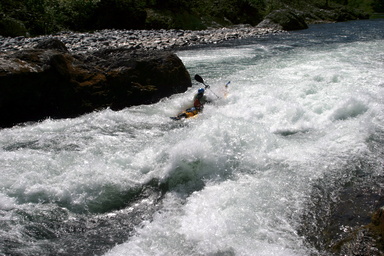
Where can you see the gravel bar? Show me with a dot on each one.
(136, 39)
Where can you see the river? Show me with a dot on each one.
(252, 175)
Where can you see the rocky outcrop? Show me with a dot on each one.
(317, 15)
(347, 217)
(40, 83)
(366, 240)
(377, 227)
(292, 19)
(283, 20)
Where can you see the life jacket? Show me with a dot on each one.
(197, 103)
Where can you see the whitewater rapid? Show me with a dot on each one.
(237, 179)
(291, 118)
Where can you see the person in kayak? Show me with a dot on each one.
(198, 104)
(199, 100)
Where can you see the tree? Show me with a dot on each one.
(378, 5)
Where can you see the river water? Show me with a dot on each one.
(252, 175)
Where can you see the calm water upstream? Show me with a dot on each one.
(304, 118)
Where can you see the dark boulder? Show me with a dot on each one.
(40, 83)
(53, 44)
(283, 20)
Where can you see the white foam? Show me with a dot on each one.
(6, 203)
(239, 173)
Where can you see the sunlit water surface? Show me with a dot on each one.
(236, 180)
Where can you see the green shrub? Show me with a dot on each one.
(378, 6)
(120, 14)
(50, 16)
(12, 27)
(74, 14)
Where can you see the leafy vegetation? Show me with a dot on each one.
(34, 17)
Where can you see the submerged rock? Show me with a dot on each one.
(40, 83)
(345, 217)
(365, 240)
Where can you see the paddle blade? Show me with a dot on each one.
(199, 79)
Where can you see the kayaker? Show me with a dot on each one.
(198, 104)
(200, 99)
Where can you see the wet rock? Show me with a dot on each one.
(378, 221)
(338, 218)
(40, 83)
(366, 240)
(376, 229)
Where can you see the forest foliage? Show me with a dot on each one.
(35, 17)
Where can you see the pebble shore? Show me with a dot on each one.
(137, 39)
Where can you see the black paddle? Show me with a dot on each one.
(201, 80)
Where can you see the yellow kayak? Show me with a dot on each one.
(190, 112)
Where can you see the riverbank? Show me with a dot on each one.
(137, 39)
